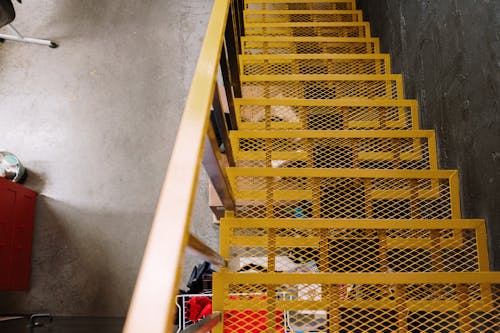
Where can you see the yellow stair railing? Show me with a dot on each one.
(337, 217)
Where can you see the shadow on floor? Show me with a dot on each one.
(65, 325)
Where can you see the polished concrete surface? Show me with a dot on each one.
(449, 55)
(94, 122)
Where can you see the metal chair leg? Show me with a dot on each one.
(17, 36)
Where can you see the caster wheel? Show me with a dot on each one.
(2, 40)
(53, 45)
(22, 180)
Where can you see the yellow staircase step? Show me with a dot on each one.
(300, 4)
(329, 245)
(345, 114)
(365, 149)
(308, 45)
(345, 193)
(323, 29)
(358, 302)
(308, 15)
(291, 64)
(323, 86)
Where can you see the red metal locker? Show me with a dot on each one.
(17, 214)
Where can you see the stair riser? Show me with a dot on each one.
(283, 16)
(299, 29)
(309, 45)
(292, 149)
(349, 246)
(300, 5)
(259, 114)
(293, 65)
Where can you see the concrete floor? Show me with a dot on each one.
(449, 55)
(64, 325)
(94, 122)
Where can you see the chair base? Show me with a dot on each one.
(20, 38)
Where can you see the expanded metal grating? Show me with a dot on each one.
(281, 16)
(328, 88)
(342, 221)
(262, 114)
(257, 65)
(299, 5)
(310, 306)
(260, 150)
(299, 249)
(320, 29)
(260, 195)
(308, 45)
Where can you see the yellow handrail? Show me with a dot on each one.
(152, 308)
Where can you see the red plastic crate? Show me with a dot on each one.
(17, 213)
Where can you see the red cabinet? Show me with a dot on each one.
(17, 213)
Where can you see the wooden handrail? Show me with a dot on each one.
(153, 303)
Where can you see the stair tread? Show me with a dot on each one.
(338, 193)
(307, 24)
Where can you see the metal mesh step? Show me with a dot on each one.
(314, 64)
(322, 29)
(328, 246)
(345, 193)
(361, 86)
(359, 302)
(335, 149)
(308, 45)
(300, 5)
(326, 114)
(280, 16)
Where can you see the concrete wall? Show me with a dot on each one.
(94, 121)
(449, 54)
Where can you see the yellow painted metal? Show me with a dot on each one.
(293, 64)
(334, 180)
(404, 234)
(326, 114)
(232, 222)
(308, 306)
(322, 77)
(361, 278)
(320, 56)
(242, 134)
(152, 308)
(455, 195)
(370, 193)
(294, 45)
(308, 24)
(376, 149)
(314, 39)
(317, 173)
(330, 29)
(299, 1)
(482, 248)
(255, 16)
(323, 86)
(331, 102)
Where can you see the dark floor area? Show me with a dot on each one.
(64, 325)
(449, 55)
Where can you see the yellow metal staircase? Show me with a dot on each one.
(343, 221)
